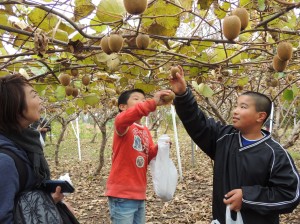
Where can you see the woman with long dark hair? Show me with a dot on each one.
(20, 106)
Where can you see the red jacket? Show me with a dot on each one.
(133, 149)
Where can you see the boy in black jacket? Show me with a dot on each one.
(252, 172)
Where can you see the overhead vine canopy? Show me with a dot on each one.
(44, 38)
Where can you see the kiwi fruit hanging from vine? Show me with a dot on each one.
(278, 64)
(231, 27)
(142, 41)
(64, 79)
(104, 45)
(69, 90)
(86, 80)
(135, 7)
(243, 14)
(285, 51)
(115, 42)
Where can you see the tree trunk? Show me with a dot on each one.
(102, 148)
(61, 136)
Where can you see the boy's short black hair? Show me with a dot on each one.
(262, 102)
(123, 98)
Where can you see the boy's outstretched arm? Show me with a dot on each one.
(131, 115)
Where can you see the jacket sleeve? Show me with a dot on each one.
(9, 186)
(133, 114)
(281, 193)
(202, 130)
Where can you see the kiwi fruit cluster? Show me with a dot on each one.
(71, 91)
(135, 7)
(284, 54)
(233, 24)
(142, 41)
(112, 44)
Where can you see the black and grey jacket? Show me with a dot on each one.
(264, 170)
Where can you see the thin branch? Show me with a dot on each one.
(289, 8)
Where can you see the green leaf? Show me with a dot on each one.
(40, 87)
(295, 89)
(91, 99)
(80, 103)
(61, 35)
(60, 92)
(243, 81)
(203, 89)
(165, 23)
(110, 10)
(288, 95)
(261, 5)
(3, 21)
(66, 27)
(204, 4)
(44, 20)
(220, 12)
(147, 88)
(83, 8)
(70, 110)
(236, 59)
(95, 25)
(244, 3)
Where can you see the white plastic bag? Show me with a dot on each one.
(42, 140)
(239, 219)
(163, 171)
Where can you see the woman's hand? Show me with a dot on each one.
(57, 195)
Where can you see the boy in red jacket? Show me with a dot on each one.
(133, 149)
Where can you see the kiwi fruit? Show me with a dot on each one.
(174, 70)
(115, 42)
(75, 92)
(64, 79)
(135, 7)
(289, 77)
(278, 64)
(142, 41)
(69, 90)
(285, 51)
(243, 14)
(168, 98)
(274, 83)
(231, 27)
(104, 45)
(86, 80)
(74, 72)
